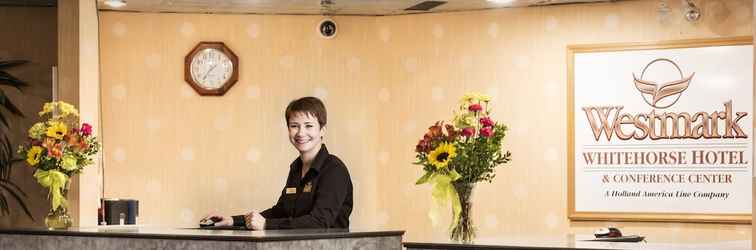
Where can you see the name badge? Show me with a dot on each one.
(291, 190)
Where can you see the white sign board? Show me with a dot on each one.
(661, 132)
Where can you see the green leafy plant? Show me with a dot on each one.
(8, 189)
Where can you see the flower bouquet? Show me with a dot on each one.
(58, 149)
(459, 154)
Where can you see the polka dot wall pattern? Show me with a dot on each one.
(611, 21)
(187, 91)
(118, 92)
(383, 89)
(223, 122)
(320, 92)
(153, 61)
(552, 23)
(551, 155)
(286, 62)
(253, 30)
(119, 154)
(252, 92)
(221, 185)
(253, 155)
(186, 154)
(119, 29)
(410, 64)
(493, 30)
(437, 94)
(491, 221)
(354, 64)
(522, 62)
(384, 157)
(152, 124)
(438, 31)
(410, 126)
(382, 219)
(384, 33)
(356, 125)
(384, 95)
(551, 221)
(186, 29)
(186, 215)
(465, 62)
(153, 186)
(493, 92)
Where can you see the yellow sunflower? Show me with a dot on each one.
(33, 155)
(441, 155)
(57, 130)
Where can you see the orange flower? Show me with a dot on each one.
(73, 141)
(53, 149)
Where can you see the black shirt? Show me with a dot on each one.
(321, 199)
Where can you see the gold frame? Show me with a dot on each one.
(651, 217)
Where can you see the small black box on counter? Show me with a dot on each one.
(119, 211)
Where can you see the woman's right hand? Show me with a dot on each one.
(222, 220)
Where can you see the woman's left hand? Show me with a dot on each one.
(253, 220)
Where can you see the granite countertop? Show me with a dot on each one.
(570, 241)
(205, 234)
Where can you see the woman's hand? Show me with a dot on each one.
(253, 220)
(220, 219)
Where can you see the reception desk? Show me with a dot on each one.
(570, 242)
(162, 238)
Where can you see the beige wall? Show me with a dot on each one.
(384, 79)
(183, 155)
(518, 56)
(28, 33)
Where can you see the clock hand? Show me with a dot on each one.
(208, 71)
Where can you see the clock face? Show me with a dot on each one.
(211, 68)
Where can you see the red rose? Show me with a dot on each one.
(486, 122)
(86, 129)
(486, 132)
(469, 131)
(475, 107)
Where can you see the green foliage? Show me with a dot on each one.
(8, 189)
(478, 157)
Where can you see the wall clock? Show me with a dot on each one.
(211, 68)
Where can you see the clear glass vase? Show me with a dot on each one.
(464, 230)
(58, 219)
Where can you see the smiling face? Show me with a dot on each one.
(305, 133)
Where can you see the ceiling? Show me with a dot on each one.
(32, 3)
(328, 7)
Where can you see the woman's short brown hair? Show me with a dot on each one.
(307, 105)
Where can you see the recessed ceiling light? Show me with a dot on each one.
(506, 2)
(115, 3)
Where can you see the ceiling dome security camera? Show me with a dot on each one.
(327, 28)
(692, 14)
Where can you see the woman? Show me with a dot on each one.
(318, 191)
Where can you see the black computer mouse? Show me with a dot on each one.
(609, 232)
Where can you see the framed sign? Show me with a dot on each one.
(661, 131)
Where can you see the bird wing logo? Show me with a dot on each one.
(655, 93)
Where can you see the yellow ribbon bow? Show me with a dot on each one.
(443, 191)
(56, 181)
